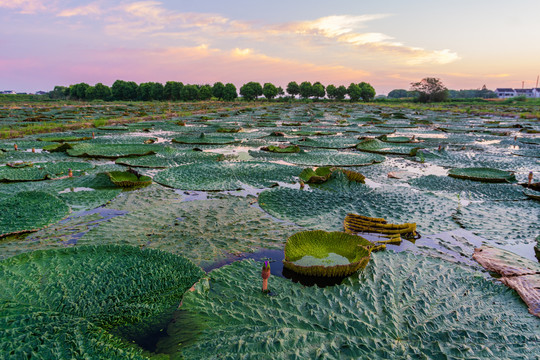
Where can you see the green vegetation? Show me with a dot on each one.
(220, 197)
(30, 211)
(430, 90)
(88, 301)
(314, 253)
(129, 179)
(225, 175)
(400, 306)
(482, 174)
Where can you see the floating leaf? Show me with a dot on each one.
(471, 190)
(380, 147)
(322, 158)
(206, 231)
(68, 303)
(482, 174)
(518, 273)
(400, 306)
(225, 175)
(327, 142)
(326, 210)
(321, 248)
(204, 139)
(129, 179)
(282, 149)
(501, 222)
(112, 150)
(30, 211)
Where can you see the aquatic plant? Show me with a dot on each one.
(29, 211)
(112, 150)
(380, 147)
(355, 224)
(88, 301)
(400, 306)
(129, 178)
(282, 149)
(225, 175)
(204, 139)
(331, 254)
(483, 174)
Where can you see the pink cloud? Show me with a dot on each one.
(24, 6)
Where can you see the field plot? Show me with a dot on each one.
(107, 228)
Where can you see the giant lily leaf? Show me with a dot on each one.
(30, 211)
(225, 175)
(68, 303)
(400, 306)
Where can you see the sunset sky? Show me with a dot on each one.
(386, 43)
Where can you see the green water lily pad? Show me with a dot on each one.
(205, 139)
(207, 231)
(400, 306)
(325, 210)
(41, 171)
(502, 222)
(319, 175)
(380, 147)
(165, 160)
(322, 158)
(64, 139)
(58, 147)
(284, 149)
(29, 211)
(225, 175)
(321, 253)
(80, 193)
(468, 189)
(395, 139)
(8, 173)
(112, 150)
(82, 302)
(326, 142)
(483, 174)
(128, 179)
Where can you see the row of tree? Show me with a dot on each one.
(433, 90)
(355, 92)
(173, 90)
(148, 91)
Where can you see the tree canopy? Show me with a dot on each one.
(270, 91)
(306, 89)
(229, 92)
(430, 90)
(177, 91)
(251, 90)
(293, 88)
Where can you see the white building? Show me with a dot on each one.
(505, 93)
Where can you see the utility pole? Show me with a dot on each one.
(537, 78)
(523, 84)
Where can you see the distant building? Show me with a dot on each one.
(8, 92)
(524, 92)
(41, 93)
(505, 93)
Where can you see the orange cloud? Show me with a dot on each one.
(90, 9)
